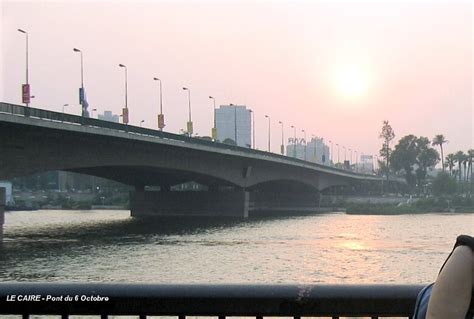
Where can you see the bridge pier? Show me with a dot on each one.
(267, 203)
(189, 203)
(2, 211)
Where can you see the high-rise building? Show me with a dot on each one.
(315, 151)
(233, 123)
(108, 116)
(366, 164)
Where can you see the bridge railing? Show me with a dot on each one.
(209, 300)
(80, 120)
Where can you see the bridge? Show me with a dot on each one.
(235, 180)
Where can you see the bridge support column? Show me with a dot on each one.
(2, 210)
(189, 203)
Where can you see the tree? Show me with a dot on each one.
(470, 154)
(440, 140)
(413, 156)
(450, 163)
(444, 184)
(387, 135)
(459, 157)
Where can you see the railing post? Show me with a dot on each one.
(2, 210)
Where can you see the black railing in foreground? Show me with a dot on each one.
(208, 300)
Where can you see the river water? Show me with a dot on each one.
(109, 246)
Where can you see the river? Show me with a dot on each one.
(110, 246)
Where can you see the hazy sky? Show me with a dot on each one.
(335, 68)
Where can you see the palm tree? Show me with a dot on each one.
(459, 157)
(450, 162)
(470, 154)
(440, 140)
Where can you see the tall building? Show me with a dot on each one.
(366, 164)
(233, 123)
(315, 151)
(108, 116)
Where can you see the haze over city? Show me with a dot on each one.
(335, 69)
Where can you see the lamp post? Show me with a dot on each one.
(253, 127)
(337, 153)
(92, 112)
(190, 122)
(214, 129)
(268, 117)
(81, 90)
(313, 140)
(125, 110)
(141, 122)
(26, 87)
(331, 157)
(65, 106)
(161, 117)
(304, 133)
(282, 147)
(294, 141)
(357, 161)
(350, 156)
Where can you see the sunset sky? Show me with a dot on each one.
(335, 68)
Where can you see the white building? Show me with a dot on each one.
(108, 116)
(234, 122)
(315, 151)
(8, 187)
(366, 164)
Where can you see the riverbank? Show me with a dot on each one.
(390, 209)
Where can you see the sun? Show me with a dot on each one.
(351, 81)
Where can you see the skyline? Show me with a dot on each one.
(292, 65)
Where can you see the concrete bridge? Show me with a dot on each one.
(236, 180)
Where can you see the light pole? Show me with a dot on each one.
(253, 127)
(141, 122)
(294, 141)
(65, 106)
(92, 112)
(268, 117)
(190, 122)
(125, 110)
(81, 90)
(345, 158)
(331, 157)
(357, 161)
(282, 148)
(313, 140)
(161, 117)
(304, 133)
(337, 153)
(350, 158)
(26, 87)
(214, 129)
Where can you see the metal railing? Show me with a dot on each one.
(79, 120)
(208, 300)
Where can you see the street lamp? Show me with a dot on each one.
(92, 112)
(141, 122)
(253, 128)
(282, 148)
(214, 129)
(161, 117)
(81, 90)
(294, 141)
(345, 158)
(304, 132)
(357, 161)
(190, 122)
(337, 153)
(26, 87)
(313, 141)
(350, 158)
(330, 155)
(268, 117)
(125, 110)
(65, 106)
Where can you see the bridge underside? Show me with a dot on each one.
(234, 184)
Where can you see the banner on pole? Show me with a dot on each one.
(81, 96)
(25, 90)
(125, 115)
(190, 128)
(161, 121)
